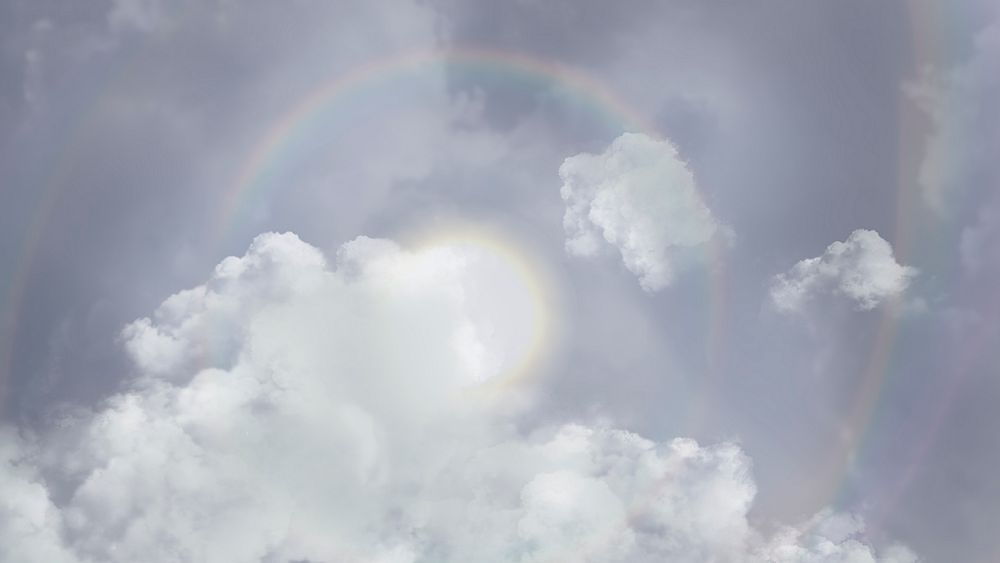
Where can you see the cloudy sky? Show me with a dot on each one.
(518, 282)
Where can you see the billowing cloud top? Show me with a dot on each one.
(639, 196)
(861, 269)
(285, 411)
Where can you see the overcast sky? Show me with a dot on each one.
(468, 280)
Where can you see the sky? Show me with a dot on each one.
(517, 282)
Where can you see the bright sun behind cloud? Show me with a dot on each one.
(507, 299)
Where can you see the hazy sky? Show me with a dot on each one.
(446, 280)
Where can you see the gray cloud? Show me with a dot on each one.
(959, 100)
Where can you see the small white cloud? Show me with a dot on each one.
(861, 268)
(301, 412)
(640, 197)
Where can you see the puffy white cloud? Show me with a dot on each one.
(289, 410)
(639, 196)
(827, 538)
(861, 268)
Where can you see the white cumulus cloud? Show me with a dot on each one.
(290, 409)
(641, 197)
(861, 269)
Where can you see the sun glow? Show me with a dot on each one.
(509, 301)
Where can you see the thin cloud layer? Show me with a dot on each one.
(640, 197)
(959, 165)
(959, 157)
(980, 242)
(287, 410)
(861, 269)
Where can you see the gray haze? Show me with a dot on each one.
(125, 124)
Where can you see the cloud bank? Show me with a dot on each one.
(291, 410)
(861, 269)
(640, 197)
